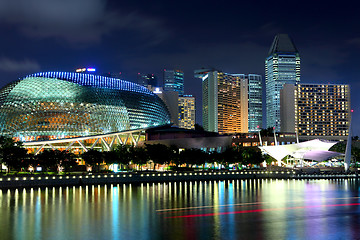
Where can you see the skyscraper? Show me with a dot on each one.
(281, 66)
(225, 101)
(174, 81)
(255, 100)
(187, 111)
(316, 110)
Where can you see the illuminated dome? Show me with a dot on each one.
(56, 105)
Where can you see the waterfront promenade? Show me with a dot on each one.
(26, 181)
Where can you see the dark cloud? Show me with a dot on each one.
(9, 65)
(237, 58)
(147, 36)
(80, 21)
(354, 42)
(325, 55)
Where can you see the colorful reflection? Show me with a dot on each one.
(238, 209)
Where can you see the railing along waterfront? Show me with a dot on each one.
(140, 177)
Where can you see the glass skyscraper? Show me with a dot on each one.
(255, 102)
(281, 66)
(174, 81)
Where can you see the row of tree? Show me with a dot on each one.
(16, 158)
(341, 148)
(159, 154)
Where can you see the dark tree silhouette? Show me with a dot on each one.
(12, 154)
(93, 158)
(159, 153)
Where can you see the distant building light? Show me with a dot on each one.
(85, 70)
(157, 90)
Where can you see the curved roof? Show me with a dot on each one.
(92, 80)
(317, 150)
(56, 105)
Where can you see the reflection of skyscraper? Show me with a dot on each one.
(281, 66)
(187, 111)
(174, 81)
(225, 101)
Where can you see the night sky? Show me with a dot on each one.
(149, 36)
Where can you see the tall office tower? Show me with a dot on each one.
(281, 66)
(174, 81)
(319, 110)
(225, 101)
(147, 79)
(255, 100)
(187, 111)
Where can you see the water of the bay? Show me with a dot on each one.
(236, 209)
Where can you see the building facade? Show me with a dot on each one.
(171, 100)
(255, 101)
(287, 108)
(319, 110)
(61, 105)
(187, 111)
(147, 79)
(174, 81)
(225, 101)
(281, 66)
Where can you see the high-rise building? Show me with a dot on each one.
(225, 101)
(171, 100)
(287, 108)
(255, 100)
(174, 81)
(187, 111)
(281, 66)
(316, 110)
(147, 79)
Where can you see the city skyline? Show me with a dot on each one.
(147, 37)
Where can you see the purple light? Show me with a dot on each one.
(91, 69)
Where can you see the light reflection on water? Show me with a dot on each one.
(235, 209)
